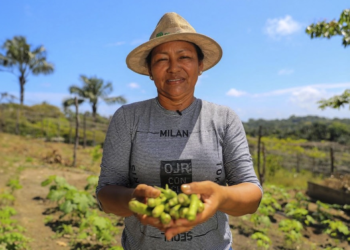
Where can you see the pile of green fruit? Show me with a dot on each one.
(169, 205)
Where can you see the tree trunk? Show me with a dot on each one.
(76, 132)
(22, 81)
(94, 111)
(70, 130)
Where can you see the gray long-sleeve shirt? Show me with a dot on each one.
(146, 143)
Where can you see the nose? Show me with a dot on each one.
(173, 66)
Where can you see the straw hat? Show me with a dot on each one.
(172, 27)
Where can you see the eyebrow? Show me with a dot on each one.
(177, 52)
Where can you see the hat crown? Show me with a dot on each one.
(171, 23)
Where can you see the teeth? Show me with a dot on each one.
(174, 80)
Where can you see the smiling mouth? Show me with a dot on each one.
(177, 80)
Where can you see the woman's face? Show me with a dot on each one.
(175, 69)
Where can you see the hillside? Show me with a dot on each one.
(49, 122)
(311, 128)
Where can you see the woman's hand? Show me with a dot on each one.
(211, 194)
(142, 192)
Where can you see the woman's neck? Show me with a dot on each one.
(175, 104)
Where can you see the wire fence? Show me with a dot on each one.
(53, 125)
(317, 157)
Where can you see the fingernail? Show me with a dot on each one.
(186, 187)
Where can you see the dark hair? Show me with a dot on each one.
(200, 54)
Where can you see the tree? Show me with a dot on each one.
(332, 28)
(22, 61)
(94, 89)
(337, 101)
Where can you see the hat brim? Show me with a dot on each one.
(136, 60)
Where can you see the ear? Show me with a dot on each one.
(200, 66)
(149, 70)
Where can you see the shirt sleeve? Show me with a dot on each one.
(238, 162)
(116, 153)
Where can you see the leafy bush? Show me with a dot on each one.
(262, 240)
(11, 237)
(70, 200)
(292, 229)
(336, 229)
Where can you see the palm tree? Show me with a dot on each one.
(22, 61)
(94, 89)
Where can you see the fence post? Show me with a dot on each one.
(84, 145)
(1, 117)
(76, 131)
(261, 172)
(332, 159)
(17, 122)
(94, 135)
(298, 162)
(42, 125)
(58, 133)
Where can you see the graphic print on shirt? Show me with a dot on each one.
(175, 173)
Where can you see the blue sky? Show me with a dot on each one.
(270, 67)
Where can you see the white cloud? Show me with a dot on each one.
(293, 90)
(278, 27)
(138, 41)
(286, 71)
(308, 96)
(133, 85)
(236, 93)
(115, 44)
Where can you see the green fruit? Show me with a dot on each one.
(158, 210)
(138, 207)
(183, 199)
(192, 210)
(165, 218)
(183, 212)
(200, 206)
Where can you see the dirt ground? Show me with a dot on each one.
(25, 163)
(31, 205)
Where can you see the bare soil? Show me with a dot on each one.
(27, 165)
(31, 205)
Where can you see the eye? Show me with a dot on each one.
(160, 59)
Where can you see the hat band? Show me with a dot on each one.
(169, 31)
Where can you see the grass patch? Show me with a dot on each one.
(292, 179)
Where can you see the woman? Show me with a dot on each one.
(192, 145)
